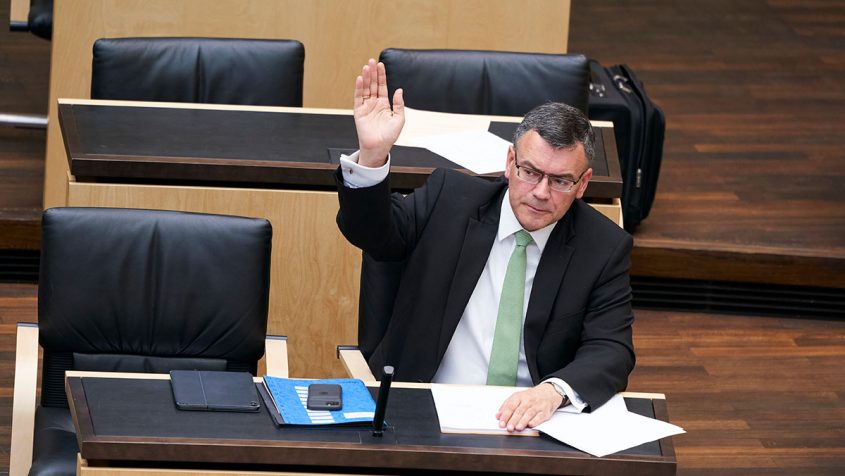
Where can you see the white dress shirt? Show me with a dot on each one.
(468, 355)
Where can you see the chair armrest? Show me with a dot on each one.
(354, 362)
(23, 404)
(276, 356)
(18, 15)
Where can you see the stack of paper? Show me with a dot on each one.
(608, 429)
(461, 138)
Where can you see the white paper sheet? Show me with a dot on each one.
(471, 409)
(461, 138)
(478, 151)
(422, 124)
(607, 430)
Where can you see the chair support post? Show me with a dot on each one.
(276, 356)
(354, 363)
(23, 405)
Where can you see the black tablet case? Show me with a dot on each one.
(214, 391)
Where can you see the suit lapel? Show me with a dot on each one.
(546, 288)
(478, 240)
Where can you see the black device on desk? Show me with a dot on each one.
(325, 396)
(214, 391)
(381, 404)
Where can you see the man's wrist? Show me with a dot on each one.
(373, 158)
(560, 391)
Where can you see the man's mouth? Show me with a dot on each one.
(535, 209)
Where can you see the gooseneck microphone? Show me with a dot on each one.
(381, 403)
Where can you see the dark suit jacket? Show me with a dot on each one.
(578, 323)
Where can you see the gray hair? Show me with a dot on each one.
(561, 125)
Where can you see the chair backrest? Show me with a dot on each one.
(486, 82)
(200, 70)
(40, 18)
(150, 291)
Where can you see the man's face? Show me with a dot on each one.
(538, 205)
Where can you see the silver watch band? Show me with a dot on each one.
(560, 392)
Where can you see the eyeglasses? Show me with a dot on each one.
(534, 176)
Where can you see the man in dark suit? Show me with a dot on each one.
(509, 282)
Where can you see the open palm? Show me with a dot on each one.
(377, 124)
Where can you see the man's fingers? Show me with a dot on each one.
(382, 80)
(358, 97)
(505, 411)
(539, 417)
(525, 409)
(373, 83)
(399, 102)
(516, 417)
(527, 416)
(369, 79)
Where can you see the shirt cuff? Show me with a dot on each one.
(359, 176)
(574, 398)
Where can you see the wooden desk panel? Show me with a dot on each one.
(338, 36)
(161, 435)
(112, 141)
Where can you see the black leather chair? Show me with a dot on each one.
(39, 22)
(40, 18)
(486, 82)
(141, 291)
(200, 70)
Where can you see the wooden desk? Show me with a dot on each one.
(269, 147)
(315, 273)
(338, 37)
(123, 423)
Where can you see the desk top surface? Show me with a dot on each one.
(136, 419)
(252, 146)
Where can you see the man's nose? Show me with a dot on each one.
(542, 190)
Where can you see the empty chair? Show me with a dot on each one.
(39, 21)
(486, 82)
(200, 70)
(137, 291)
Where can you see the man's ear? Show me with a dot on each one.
(509, 162)
(585, 179)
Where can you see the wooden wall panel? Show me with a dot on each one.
(338, 36)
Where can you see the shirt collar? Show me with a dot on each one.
(508, 225)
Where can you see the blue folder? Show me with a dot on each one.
(290, 397)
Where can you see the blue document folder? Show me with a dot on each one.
(290, 397)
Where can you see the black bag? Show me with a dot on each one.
(617, 95)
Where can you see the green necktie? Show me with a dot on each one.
(504, 357)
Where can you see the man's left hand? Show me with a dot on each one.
(529, 408)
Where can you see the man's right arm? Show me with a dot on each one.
(377, 124)
(356, 175)
(365, 216)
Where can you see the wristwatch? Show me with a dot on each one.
(560, 392)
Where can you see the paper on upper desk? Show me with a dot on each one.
(479, 151)
(607, 430)
(423, 124)
(472, 409)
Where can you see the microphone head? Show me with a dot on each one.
(388, 370)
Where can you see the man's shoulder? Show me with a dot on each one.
(592, 224)
(461, 183)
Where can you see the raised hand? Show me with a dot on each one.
(378, 126)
